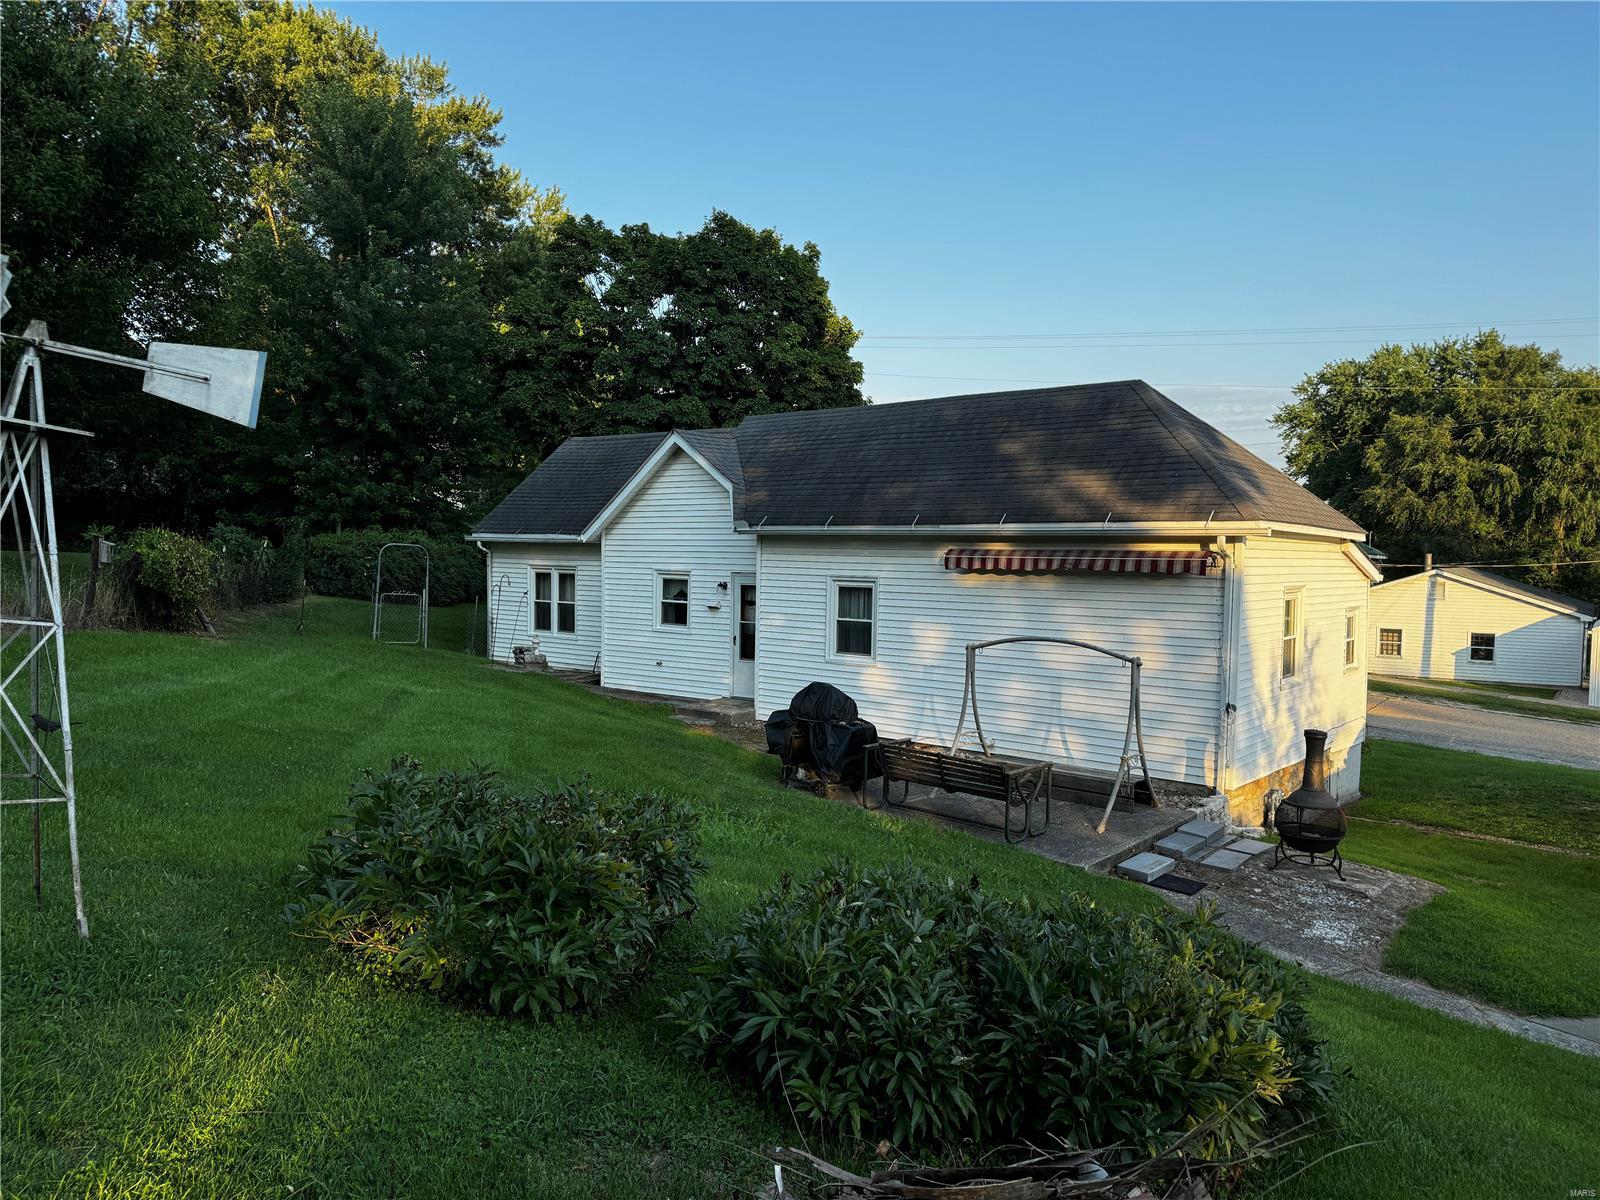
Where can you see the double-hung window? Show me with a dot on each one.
(555, 601)
(1482, 649)
(674, 600)
(1352, 646)
(1390, 642)
(541, 601)
(1292, 634)
(854, 609)
(566, 602)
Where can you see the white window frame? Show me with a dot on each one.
(1298, 595)
(832, 631)
(533, 602)
(1352, 638)
(688, 603)
(1399, 641)
(1472, 651)
(558, 603)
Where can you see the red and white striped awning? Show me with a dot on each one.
(1019, 561)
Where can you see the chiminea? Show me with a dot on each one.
(1309, 821)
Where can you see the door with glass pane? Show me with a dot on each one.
(743, 588)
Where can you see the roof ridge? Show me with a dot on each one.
(1140, 388)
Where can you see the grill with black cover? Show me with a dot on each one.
(821, 739)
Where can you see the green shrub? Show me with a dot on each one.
(546, 903)
(896, 1005)
(341, 564)
(244, 565)
(287, 578)
(166, 576)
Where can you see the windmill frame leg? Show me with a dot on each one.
(27, 511)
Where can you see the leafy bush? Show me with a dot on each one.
(342, 564)
(167, 576)
(896, 1005)
(252, 571)
(545, 903)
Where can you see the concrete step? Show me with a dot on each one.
(1146, 866)
(1208, 833)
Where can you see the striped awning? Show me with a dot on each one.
(1019, 561)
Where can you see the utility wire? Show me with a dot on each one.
(1274, 387)
(1571, 562)
(918, 337)
(1013, 347)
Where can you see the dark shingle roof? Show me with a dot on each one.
(1049, 456)
(1067, 455)
(568, 489)
(1533, 591)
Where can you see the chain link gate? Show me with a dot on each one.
(400, 617)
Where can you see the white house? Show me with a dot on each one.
(866, 547)
(1465, 623)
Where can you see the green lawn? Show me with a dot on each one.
(1537, 803)
(196, 1048)
(1482, 697)
(1516, 926)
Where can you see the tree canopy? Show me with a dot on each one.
(265, 175)
(1470, 448)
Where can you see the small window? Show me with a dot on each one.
(541, 600)
(1350, 647)
(1389, 643)
(747, 622)
(566, 602)
(1291, 635)
(1482, 647)
(675, 600)
(852, 619)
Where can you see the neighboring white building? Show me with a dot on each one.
(1469, 624)
(866, 547)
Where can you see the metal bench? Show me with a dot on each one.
(1015, 783)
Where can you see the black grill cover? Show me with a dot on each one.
(821, 730)
(823, 702)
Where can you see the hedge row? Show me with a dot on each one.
(342, 564)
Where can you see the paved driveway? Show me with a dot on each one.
(1462, 727)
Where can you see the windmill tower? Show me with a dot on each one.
(36, 757)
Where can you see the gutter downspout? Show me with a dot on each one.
(1232, 609)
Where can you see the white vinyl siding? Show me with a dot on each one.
(1273, 711)
(513, 568)
(679, 525)
(1437, 618)
(1069, 706)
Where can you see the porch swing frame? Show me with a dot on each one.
(1133, 753)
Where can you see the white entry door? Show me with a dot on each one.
(744, 635)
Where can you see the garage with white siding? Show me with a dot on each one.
(1468, 624)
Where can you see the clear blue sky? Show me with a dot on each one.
(1085, 169)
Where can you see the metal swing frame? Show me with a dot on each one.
(379, 596)
(1133, 733)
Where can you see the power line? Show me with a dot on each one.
(1272, 387)
(914, 337)
(1013, 347)
(1571, 562)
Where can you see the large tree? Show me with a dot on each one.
(627, 331)
(112, 167)
(368, 297)
(1470, 448)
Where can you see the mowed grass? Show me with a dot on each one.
(1516, 925)
(195, 1047)
(1540, 804)
(1479, 696)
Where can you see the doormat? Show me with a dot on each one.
(1177, 883)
